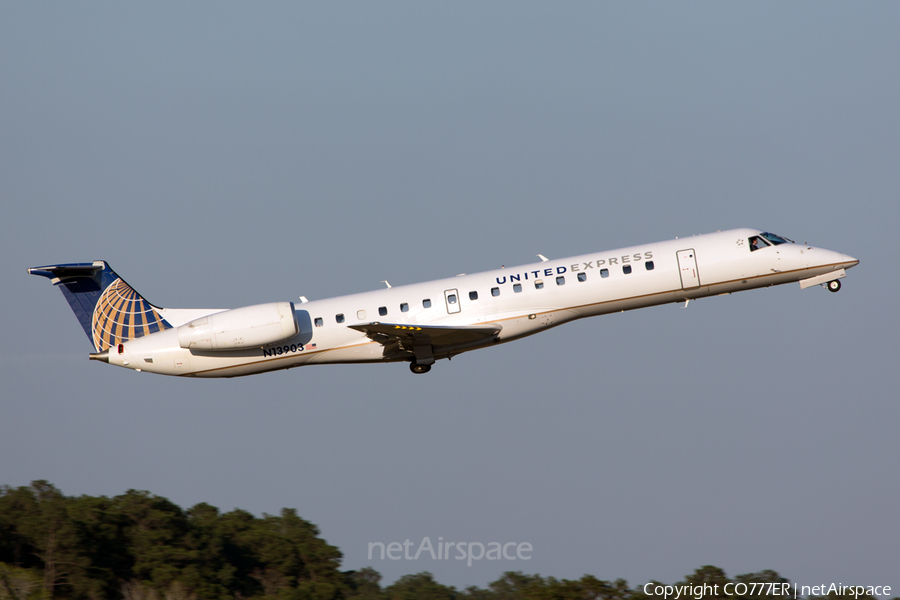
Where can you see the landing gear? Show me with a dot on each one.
(833, 286)
(423, 357)
(419, 369)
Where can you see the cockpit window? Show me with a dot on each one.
(775, 239)
(757, 243)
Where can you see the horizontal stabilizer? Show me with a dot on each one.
(59, 273)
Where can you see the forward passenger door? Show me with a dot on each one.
(687, 267)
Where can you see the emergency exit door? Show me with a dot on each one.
(451, 298)
(687, 266)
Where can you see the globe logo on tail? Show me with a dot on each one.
(121, 314)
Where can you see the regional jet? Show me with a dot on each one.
(425, 322)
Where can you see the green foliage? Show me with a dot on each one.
(516, 585)
(20, 584)
(138, 546)
(421, 586)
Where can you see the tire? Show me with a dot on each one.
(419, 369)
(833, 286)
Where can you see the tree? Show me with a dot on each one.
(711, 576)
(514, 585)
(53, 538)
(363, 584)
(421, 586)
(766, 576)
(151, 529)
(19, 584)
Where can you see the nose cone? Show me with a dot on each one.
(820, 257)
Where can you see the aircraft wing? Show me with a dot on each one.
(402, 339)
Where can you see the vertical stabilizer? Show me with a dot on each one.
(110, 311)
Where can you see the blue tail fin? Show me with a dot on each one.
(109, 310)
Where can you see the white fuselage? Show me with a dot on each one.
(520, 300)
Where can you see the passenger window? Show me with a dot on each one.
(517, 287)
(360, 314)
(495, 291)
(626, 269)
(451, 299)
(473, 295)
(382, 311)
(539, 284)
(604, 272)
(649, 265)
(582, 277)
(426, 303)
(319, 322)
(561, 280)
(339, 318)
(404, 307)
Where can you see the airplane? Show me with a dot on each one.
(425, 322)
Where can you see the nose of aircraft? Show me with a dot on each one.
(820, 257)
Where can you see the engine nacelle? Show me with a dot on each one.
(249, 326)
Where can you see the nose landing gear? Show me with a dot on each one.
(833, 286)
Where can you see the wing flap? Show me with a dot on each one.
(441, 339)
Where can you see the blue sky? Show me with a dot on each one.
(225, 154)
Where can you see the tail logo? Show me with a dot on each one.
(121, 314)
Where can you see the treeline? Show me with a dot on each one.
(138, 546)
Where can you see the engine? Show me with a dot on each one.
(249, 326)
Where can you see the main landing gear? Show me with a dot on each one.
(419, 369)
(423, 357)
(833, 286)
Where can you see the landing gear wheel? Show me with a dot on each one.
(419, 369)
(833, 286)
